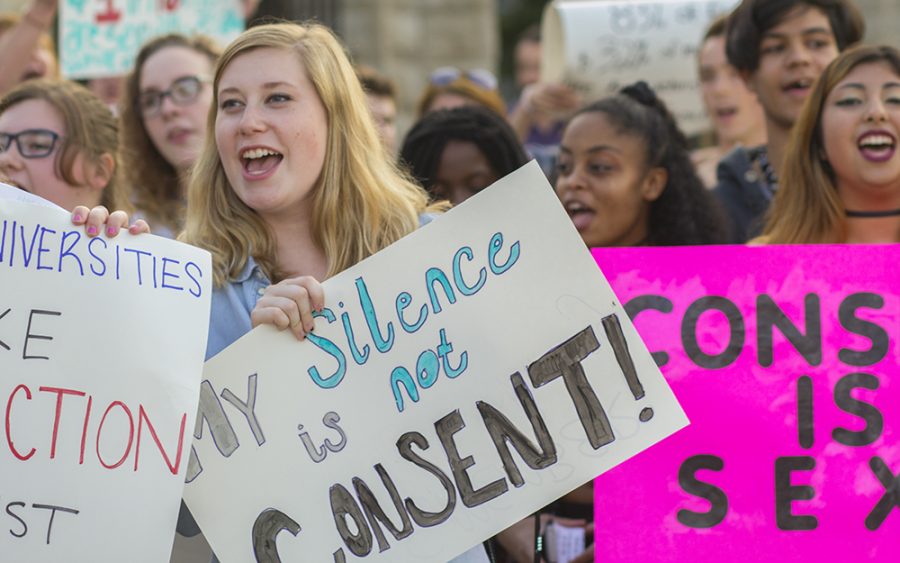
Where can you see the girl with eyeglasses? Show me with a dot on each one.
(163, 111)
(60, 142)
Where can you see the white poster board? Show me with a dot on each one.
(102, 37)
(100, 362)
(403, 416)
(600, 46)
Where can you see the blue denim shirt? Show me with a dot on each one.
(229, 314)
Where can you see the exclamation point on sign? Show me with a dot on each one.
(616, 338)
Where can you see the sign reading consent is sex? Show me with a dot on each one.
(786, 360)
(101, 349)
(456, 382)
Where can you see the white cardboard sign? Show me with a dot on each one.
(600, 46)
(459, 380)
(101, 350)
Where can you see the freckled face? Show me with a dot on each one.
(271, 131)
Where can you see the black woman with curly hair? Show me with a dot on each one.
(626, 179)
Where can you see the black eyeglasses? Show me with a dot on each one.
(32, 143)
(448, 74)
(182, 92)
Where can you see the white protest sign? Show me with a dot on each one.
(101, 350)
(102, 37)
(600, 46)
(456, 382)
(18, 194)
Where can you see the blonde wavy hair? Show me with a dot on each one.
(807, 208)
(362, 202)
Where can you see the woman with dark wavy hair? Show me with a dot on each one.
(841, 177)
(626, 178)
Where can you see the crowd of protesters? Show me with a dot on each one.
(282, 159)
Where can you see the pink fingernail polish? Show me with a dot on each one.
(92, 230)
(77, 218)
(110, 231)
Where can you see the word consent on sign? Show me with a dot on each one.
(787, 362)
(602, 45)
(456, 382)
(102, 37)
(101, 350)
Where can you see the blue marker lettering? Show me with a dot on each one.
(495, 245)
(332, 350)
(27, 254)
(401, 376)
(359, 357)
(457, 273)
(3, 242)
(404, 299)
(43, 249)
(138, 254)
(436, 275)
(63, 251)
(167, 274)
(383, 344)
(444, 350)
(195, 279)
(427, 368)
(90, 245)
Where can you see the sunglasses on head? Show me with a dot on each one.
(448, 74)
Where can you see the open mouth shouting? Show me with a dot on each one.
(259, 162)
(580, 214)
(798, 88)
(877, 146)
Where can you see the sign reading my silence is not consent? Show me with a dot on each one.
(456, 382)
(786, 359)
(101, 348)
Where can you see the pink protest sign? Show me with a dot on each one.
(785, 361)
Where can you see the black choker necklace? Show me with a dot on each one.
(872, 214)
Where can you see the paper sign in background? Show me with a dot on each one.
(101, 38)
(543, 289)
(749, 443)
(100, 359)
(602, 45)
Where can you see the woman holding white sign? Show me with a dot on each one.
(841, 176)
(293, 184)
